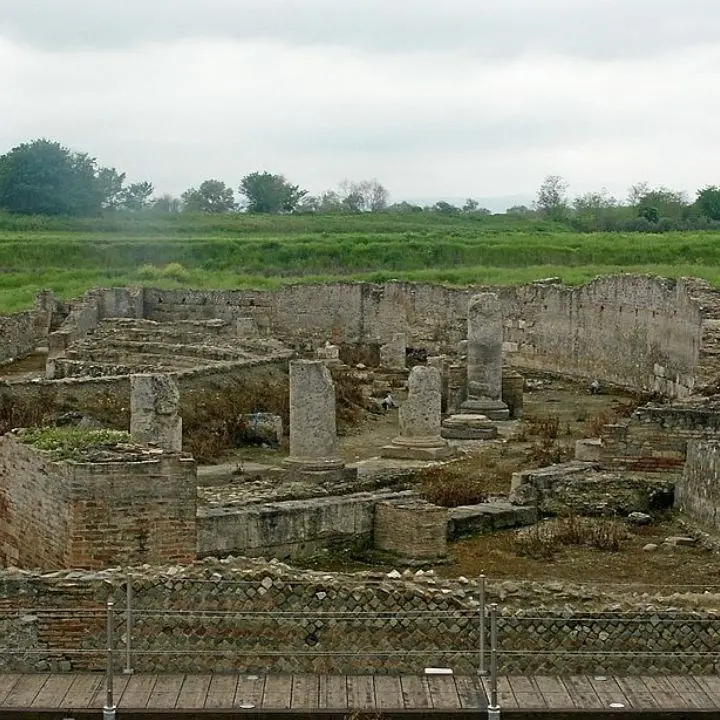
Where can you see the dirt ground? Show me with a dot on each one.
(496, 555)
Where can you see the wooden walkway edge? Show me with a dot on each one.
(82, 695)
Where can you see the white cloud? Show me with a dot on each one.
(332, 97)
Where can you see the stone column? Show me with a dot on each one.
(484, 360)
(313, 434)
(155, 411)
(392, 354)
(420, 417)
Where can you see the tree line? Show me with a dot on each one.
(43, 177)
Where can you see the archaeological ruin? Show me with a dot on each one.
(196, 452)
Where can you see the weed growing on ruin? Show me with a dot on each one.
(543, 540)
(466, 482)
(67, 443)
(596, 424)
(18, 412)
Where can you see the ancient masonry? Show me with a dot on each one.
(313, 433)
(155, 411)
(419, 437)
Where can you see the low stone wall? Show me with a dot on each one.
(290, 529)
(107, 398)
(411, 528)
(697, 493)
(94, 514)
(252, 616)
(21, 333)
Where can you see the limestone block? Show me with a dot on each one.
(392, 354)
(420, 419)
(313, 433)
(154, 411)
(411, 528)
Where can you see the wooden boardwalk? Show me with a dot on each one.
(79, 695)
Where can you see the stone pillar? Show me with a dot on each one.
(420, 417)
(513, 387)
(313, 434)
(484, 362)
(392, 354)
(439, 362)
(155, 411)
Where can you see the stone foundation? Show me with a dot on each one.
(413, 529)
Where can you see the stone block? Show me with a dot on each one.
(413, 529)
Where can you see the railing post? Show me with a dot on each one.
(128, 624)
(109, 707)
(493, 708)
(482, 670)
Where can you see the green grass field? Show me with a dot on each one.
(70, 256)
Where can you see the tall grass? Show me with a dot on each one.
(71, 255)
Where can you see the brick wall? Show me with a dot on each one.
(411, 528)
(93, 515)
(254, 616)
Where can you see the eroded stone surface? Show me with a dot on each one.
(154, 411)
(420, 419)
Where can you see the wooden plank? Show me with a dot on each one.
(443, 691)
(305, 691)
(690, 692)
(99, 698)
(711, 685)
(138, 691)
(415, 692)
(607, 689)
(526, 692)
(249, 692)
(53, 691)
(277, 692)
(25, 690)
(360, 692)
(332, 692)
(7, 680)
(193, 692)
(221, 693)
(582, 692)
(388, 692)
(166, 691)
(663, 692)
(506, 698)
(470, 691)
(82, 691)
(637, 693)
(554, 692)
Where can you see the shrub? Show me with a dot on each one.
(543, 540)
(175, 271)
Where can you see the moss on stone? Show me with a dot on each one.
(67, 443)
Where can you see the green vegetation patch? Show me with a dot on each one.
(71, 443)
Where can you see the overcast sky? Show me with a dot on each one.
(435, 98)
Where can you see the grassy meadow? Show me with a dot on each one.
(70, 256)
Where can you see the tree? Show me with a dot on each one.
(519, 211)
(708, 202)
(44, 178)
(166, 204)
(136, 196)
(655, 203)
(213, 196)
(593, 209)
(268, 193)
(552, 199)
(470, 205)
(445, 208)
(111, 186)
(364, 196)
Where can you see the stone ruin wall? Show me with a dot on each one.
(94, 514)
(697, 493)
(638, 332)
(400, 624)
